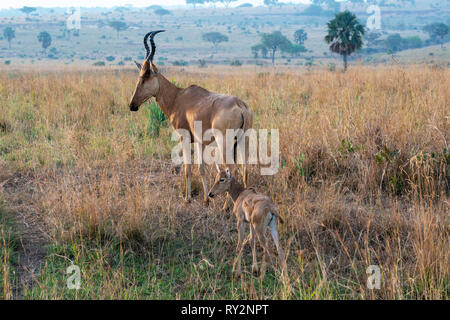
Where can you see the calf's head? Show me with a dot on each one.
(222, 183)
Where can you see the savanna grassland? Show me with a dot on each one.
(363, 180)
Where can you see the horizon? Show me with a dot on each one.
(119, 3)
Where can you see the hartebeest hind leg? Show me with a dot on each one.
(187, 179)
(253, 243)
(187, 170)
(260, 231)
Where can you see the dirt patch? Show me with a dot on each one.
(18, 191)
(24, 192)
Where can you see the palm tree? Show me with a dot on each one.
(345, 34)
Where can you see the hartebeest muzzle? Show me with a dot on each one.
(133, 107)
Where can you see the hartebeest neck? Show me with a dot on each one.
(235, 189)
(166, 95)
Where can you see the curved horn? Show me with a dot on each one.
(147, 49)
(152, 42)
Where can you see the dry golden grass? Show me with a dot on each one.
(364, 180)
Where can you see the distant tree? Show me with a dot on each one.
(215, 38)
(214, 2)
(45, 39)
(264, 51)
(195, 2)
(300, 36)
(331, 4)
(273, 42)
(162, 12)
(372, 37)
(437, 29)
(293, 49)
(255, 50)
(345, 35)
(412, 42)
(118, 26)
(315, 10)
(270, 3)
(245, 5)
(259, 48)
(154, 7)
(9, 34)
(27, 10)
(227, 2)
(393, 42)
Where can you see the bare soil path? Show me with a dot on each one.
(18, 191)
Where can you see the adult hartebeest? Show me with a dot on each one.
(184, 106)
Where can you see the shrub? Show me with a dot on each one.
(156, 118)
(180, 63)
(99, 64)
(236, 63)
(331, 66)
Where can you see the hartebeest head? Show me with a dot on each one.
(147, 85)
(222, 183)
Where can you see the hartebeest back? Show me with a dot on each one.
(184, 106)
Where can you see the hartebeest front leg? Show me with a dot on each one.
(200, 148)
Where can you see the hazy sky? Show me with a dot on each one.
(109, 3)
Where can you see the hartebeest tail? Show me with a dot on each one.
(257, 210)
(184, 106)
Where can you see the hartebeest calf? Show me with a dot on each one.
(253, 208)
(184, 106)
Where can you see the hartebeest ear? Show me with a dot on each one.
(138, 65)
(155, 69)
